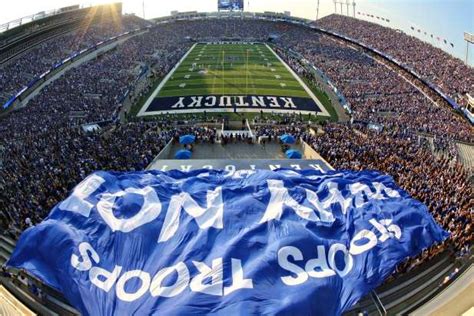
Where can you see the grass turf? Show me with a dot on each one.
(232, 69)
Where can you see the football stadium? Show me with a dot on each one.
(311, 158)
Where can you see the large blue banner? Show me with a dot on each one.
(249, 242)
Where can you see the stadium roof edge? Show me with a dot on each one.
(225, 14)
(39, 16)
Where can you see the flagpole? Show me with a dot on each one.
(223, 72)
(247, 75)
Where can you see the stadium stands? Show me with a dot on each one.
(18, 72)
(449, 73)
(44, 153)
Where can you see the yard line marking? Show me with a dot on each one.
(323, 109)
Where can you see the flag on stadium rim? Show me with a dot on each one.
(250, 242)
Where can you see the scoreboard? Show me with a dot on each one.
(230, 5)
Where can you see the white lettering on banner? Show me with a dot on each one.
(238, 281)
(157, 289)
(280, 197)
(386, 229)
(149, 211)
(211, 216)
(348, 260)
(85, 262)
(323, 263)
(209, 279)
(283, 255)
(335, 197)
(105, 280)
(368, 235)
(359, 190)
(144, 285)
(215, 273)
(317, 210)
(76, 202)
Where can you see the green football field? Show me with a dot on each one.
(228, 77)
(232, 69)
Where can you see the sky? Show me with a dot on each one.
(446, 19)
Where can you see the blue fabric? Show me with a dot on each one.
(183, 154)
(293, 154)
(249, 243)
(287, 139)
(187, 139)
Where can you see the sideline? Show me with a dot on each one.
(143, 111)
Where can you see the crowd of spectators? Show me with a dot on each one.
(437, 66)
(377, 94)
(45, 152)
(39, 170)
(202, 134)
(275, 131)
(18, 72)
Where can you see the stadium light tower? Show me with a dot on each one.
(348, 3)
(469, 38)
(353, 9)
(317, 10)
(342, 3)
